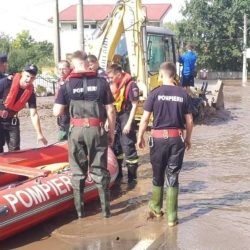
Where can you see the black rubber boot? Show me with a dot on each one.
(79, 205)
(104, 195)
(120, 174)
(132, 172)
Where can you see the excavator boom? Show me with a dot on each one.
(126, 18)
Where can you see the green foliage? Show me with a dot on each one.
(23, 40)
(4, 43)
(40, 90)
(215, 28)
(24, 49)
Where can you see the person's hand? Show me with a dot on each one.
(106, 126)
(42, 139)
(126, 129)
(188, 144)
(141, 143)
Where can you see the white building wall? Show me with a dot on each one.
(66, 27)
(69, 40)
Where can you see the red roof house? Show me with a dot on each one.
(97, 13)
(94, 15)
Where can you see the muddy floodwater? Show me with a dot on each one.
(214, 200)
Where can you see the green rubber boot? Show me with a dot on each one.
(104, 195)
(155, 204)
(172, 201)
(79, 205)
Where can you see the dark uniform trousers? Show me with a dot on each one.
(187, 80)
(10, 133)
(88, 154)
(166, 156)
(126, 144)
(88, 147)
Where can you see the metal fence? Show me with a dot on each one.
(45, 82)
(223, 75)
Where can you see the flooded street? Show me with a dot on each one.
(214, 200)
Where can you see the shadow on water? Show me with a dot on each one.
(190, 165)
(205, 206)
(193, 186)
(130, 204)
(121, 188)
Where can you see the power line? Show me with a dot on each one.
(27, 19)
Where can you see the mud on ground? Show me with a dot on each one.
(214, 200)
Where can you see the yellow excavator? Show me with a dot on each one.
(125, 38)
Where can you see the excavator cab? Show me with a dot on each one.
(159, 48)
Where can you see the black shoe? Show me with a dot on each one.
(80, 215)
(120, 174)
(132, 172)
(107, 215)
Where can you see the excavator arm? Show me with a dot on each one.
(126, 18)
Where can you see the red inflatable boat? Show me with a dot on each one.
(30, 158)
(35, 185)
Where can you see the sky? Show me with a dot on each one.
(33, 15)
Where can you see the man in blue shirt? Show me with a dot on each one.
(188, 61)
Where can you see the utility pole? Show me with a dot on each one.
(57, 47)
(244, 70)
(80, 25)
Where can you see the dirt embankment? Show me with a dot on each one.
(44, 107)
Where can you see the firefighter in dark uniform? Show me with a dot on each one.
(64, 119)
(15, 92)
(3, 69)
(171, 108)
(90, 104)
(3, 65)
(126, 94)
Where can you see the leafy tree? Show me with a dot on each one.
(23, 40)
(24, 49)
(215, 28)
(4, 43)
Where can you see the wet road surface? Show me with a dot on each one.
(214, 200)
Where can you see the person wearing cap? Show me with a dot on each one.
(3, 65)
(172, 114)
(14, 94)
(90, 103)
(63, 120)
